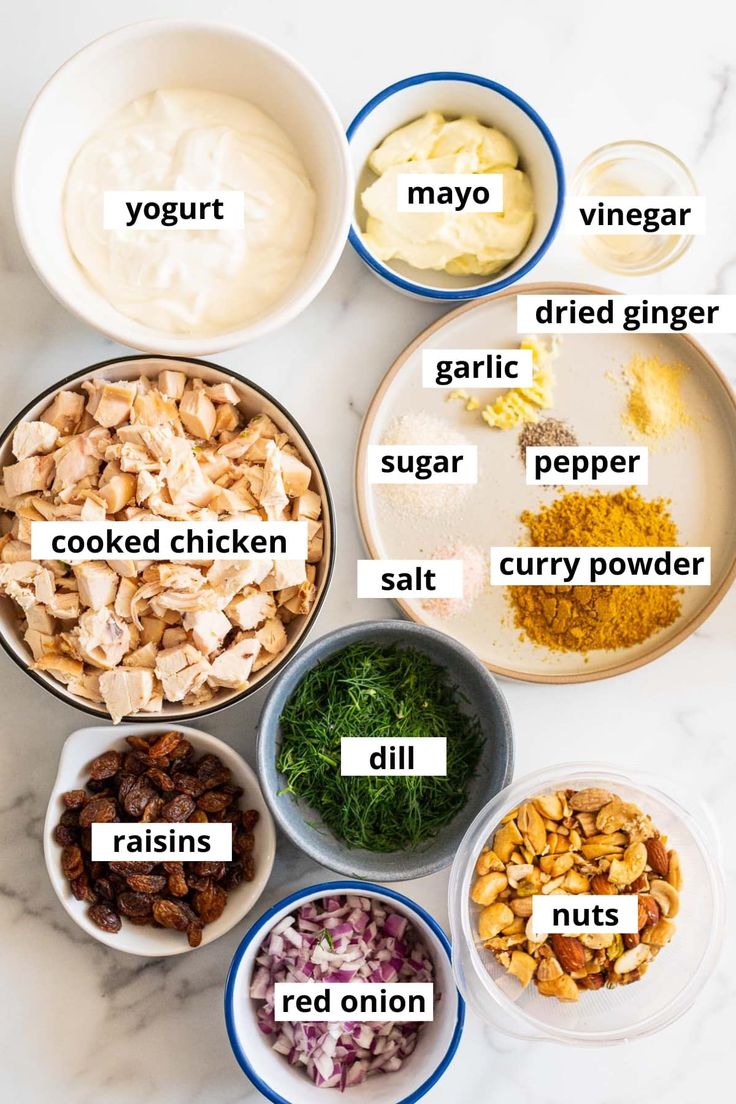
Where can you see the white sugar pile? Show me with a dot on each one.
(421, 500)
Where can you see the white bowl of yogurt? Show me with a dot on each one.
(183, 107)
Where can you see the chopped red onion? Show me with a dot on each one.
(351, 938)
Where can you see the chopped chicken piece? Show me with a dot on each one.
(228, 419)
(250, 610)
(208, 628)
(74, 461)
(32, 438)
(174, 636)
(315, 530)
(307, 507)
(181, 670)
(40, 643)
(152, 629)
(15, 551)
(228, 577)
(223, 393)
(273, 636)
(118, 492)
(171, 383)
(62, 667)
(65, 412)
(301, 601)
(110, 403)
(102, 638)
(87, 686)
(198, 414)
(273, 496)
(233, 666)
(126, 690)
(145, 656)
(126, 590)
(97, 584)
(297, 475)
(94, 508)
(153, 409)
(285, 573)
(32, 474)
(40, 619)
(185, 479)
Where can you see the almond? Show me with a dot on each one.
(590, 801)
(657, 857)
(570, 953)
(599, 884)
(648, 910)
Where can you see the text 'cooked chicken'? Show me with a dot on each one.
(134, 633)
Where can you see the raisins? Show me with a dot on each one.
(161, 780)
(105, 766)
(99, 810)
(105, 917)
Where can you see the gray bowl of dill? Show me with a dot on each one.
(388, 679)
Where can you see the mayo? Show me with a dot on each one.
(462, 243)
(179, 279)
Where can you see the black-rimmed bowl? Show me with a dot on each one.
(484, 699)
(254, 400)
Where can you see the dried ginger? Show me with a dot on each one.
(582, 618)
(654, 407)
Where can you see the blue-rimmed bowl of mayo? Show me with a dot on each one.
(197, 111)
(453, 123)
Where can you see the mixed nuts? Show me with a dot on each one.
(570, 842)
(160, 779)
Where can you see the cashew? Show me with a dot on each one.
(624, 872)
(549, 969)
(632, 959)
(493, 918)
(596, 941)
(590, 800)
(516, 873)
(535, 937)
(674, 874)
(532, 828)
(659, 934)
(564, 988)
(522, 967)
(575, 883)
(666, 897)
(487, 861)
(550, 806)
(556, 864)
(521, 906)
(487, 888)
(506, 840)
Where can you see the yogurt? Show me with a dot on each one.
(180, 279)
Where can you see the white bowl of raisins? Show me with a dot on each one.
(155, 774)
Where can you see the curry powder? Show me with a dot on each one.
(582, 618)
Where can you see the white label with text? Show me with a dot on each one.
(477, 369)
(365, 756)
(422, 464)
(631, 214)
(141, 210)
(586, 465)
(567, 913)
(423, 578)
(162, 842)
(72, 541)
(449, 192)
(576, 566)
(566, 314)
(334, 1001)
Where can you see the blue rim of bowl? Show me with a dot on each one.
(310, 892)
(462, 294)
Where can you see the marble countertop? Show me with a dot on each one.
(81, 1024)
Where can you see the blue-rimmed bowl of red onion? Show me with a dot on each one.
(342, 931)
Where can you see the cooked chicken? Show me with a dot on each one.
(133, 633)
(32, 438)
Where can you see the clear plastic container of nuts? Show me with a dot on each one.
(585, 828)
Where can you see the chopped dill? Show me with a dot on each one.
(381, 691)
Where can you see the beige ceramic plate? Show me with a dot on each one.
(696, 469)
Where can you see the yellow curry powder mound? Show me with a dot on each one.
(582, 618)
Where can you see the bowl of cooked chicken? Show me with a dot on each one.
(162, 439)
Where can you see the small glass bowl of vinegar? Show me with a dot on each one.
(625, 169)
